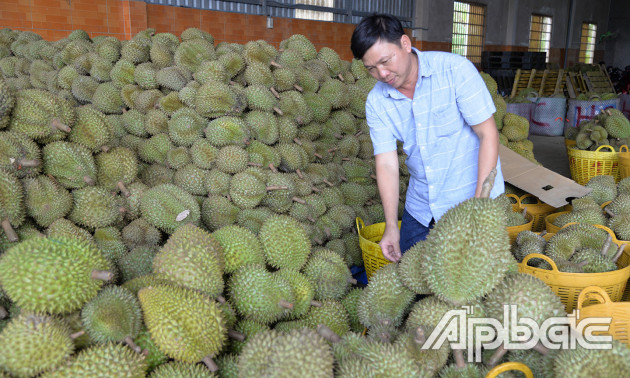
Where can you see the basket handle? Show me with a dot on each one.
(610, 232)
(360, 224)
(621, 149)
(605, 146)
(592, 293)
(508, 366)
(554, 268)
(603, 205)
(516, 198)
(527, 195)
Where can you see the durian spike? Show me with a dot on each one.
(496, 357)
(3, 313)
(123, 189)
(328, 182)
(88, 180)
(299, 173)
(9, 231)
(236, 335)
(298, 200)
(277, 110)
(105, 148)
(23, 163)
(488, 183)
(132, 345)
(541, 349)
(340, 76)
(606, 245)
(273, 169)
(284, 304)
(221, 299)
(103, 275)
(297, 141)
(619, 253)
(610, 213)
(318, 155)
(420, 337)
(275, 93)
(209, 362)
(315, 303)
(328, 334)
(460, 362)
(352, 281)
(252, 164)
(57, 124)
(76, 335)
(277, 187)
(298, 88)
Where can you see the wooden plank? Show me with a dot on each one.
(559, 82)
(570, 89)
(531, 78)
(517, 78)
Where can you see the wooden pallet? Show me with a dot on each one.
(575, 84)
(598, 81)
(526, 79)
(552, 83)
(544, 82)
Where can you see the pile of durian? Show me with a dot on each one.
(609, 128)
(174, 208)
(513, 129)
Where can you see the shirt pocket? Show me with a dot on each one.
(446, 121)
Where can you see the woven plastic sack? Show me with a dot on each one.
(579, 111)
(523, 109)
(624, 104)
(548, 116)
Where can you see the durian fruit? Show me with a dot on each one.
(7, 102)
(620, 225)
(526, 243)
(41, 115)
(515, 127)
(34, 343)
(71, 164)
(245, 286)
(185, 127)
(431, 359)
(107, 359)
(154, 357)
(240, 247)
(620, 204)
(179, 369)
(94, 207)
(248, 328)
(616, 125)
(588, 362)
(137, 262)
(585, 210)
(571, 238)
(302, 289)
(284, 242)
(385, 301)
(272, 353)
(217, 211)
(113, 315)
(117, 168)
(410, 270)
(107, 98)
(192, 258)
(63, 227)
(37, 276)
(604, 188)
(190, 54)
(19, 154)
(140, 233)
(168, 207)
(186, 325)
(450, 248)
(45, 200)
(12, 209)
(109, 241)
(351, 303)
(329, 274)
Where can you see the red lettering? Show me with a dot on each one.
(531, 116)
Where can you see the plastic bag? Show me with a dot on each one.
(548, 116)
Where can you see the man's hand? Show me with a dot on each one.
(390, 244)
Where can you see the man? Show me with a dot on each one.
(437, 104)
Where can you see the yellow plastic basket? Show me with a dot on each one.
(538, 211)
(569, 285)
(624, 162)
(619, 327)
(509, 366)
(513, 231)
(369, 236)
(585, 165)
(549, 226)
(568, 143)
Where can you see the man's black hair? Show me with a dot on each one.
(373, 28)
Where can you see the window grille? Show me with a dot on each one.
(469, 30)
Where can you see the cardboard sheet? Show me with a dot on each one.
(550, 187)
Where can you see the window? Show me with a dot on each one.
(540, 34)
(315, 15)
(469, 30)
(587, 43)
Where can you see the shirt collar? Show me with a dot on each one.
(424, 70)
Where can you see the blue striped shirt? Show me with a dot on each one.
(442, 149)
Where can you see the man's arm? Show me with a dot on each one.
(388, 186)
(488, 150)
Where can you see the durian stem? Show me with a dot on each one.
(338, 136)
(318, 241)
(352, 281)
(298, 88)
(460, 362)
(328, 334)
(209, 362)
(3, 313)
(332, 149)
(273, 169)
(57, 124)
(9, 231)
(316, 189)
(299, 173)
(284, 304)
(340, 76)
(132, 345)
(619, 253)
(88, 180)
(297, 141)
(318, 155)
(23, 163)
(123, 189)
(298, 200)
(524, 212)
(343, 178)
(373, 176)
(496, 357)
(253, 164)
(582, 263)
(488, 183)
(236, 335)
(103, 275)
(328, 182)
(541, 349)
(277, 187)
(221, 299)
(310, 218)
(606, 245)
(315, 303)
(277, 110)
(105, 148)
(275, 93)
(275, 64)
(327, 232)
(345, 159)
(420, 338)
(76, 335)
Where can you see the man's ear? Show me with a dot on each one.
(405, 43)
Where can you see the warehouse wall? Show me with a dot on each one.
(617, 47)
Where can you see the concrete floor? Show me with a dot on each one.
(551, 152)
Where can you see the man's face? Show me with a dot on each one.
(389, 62)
